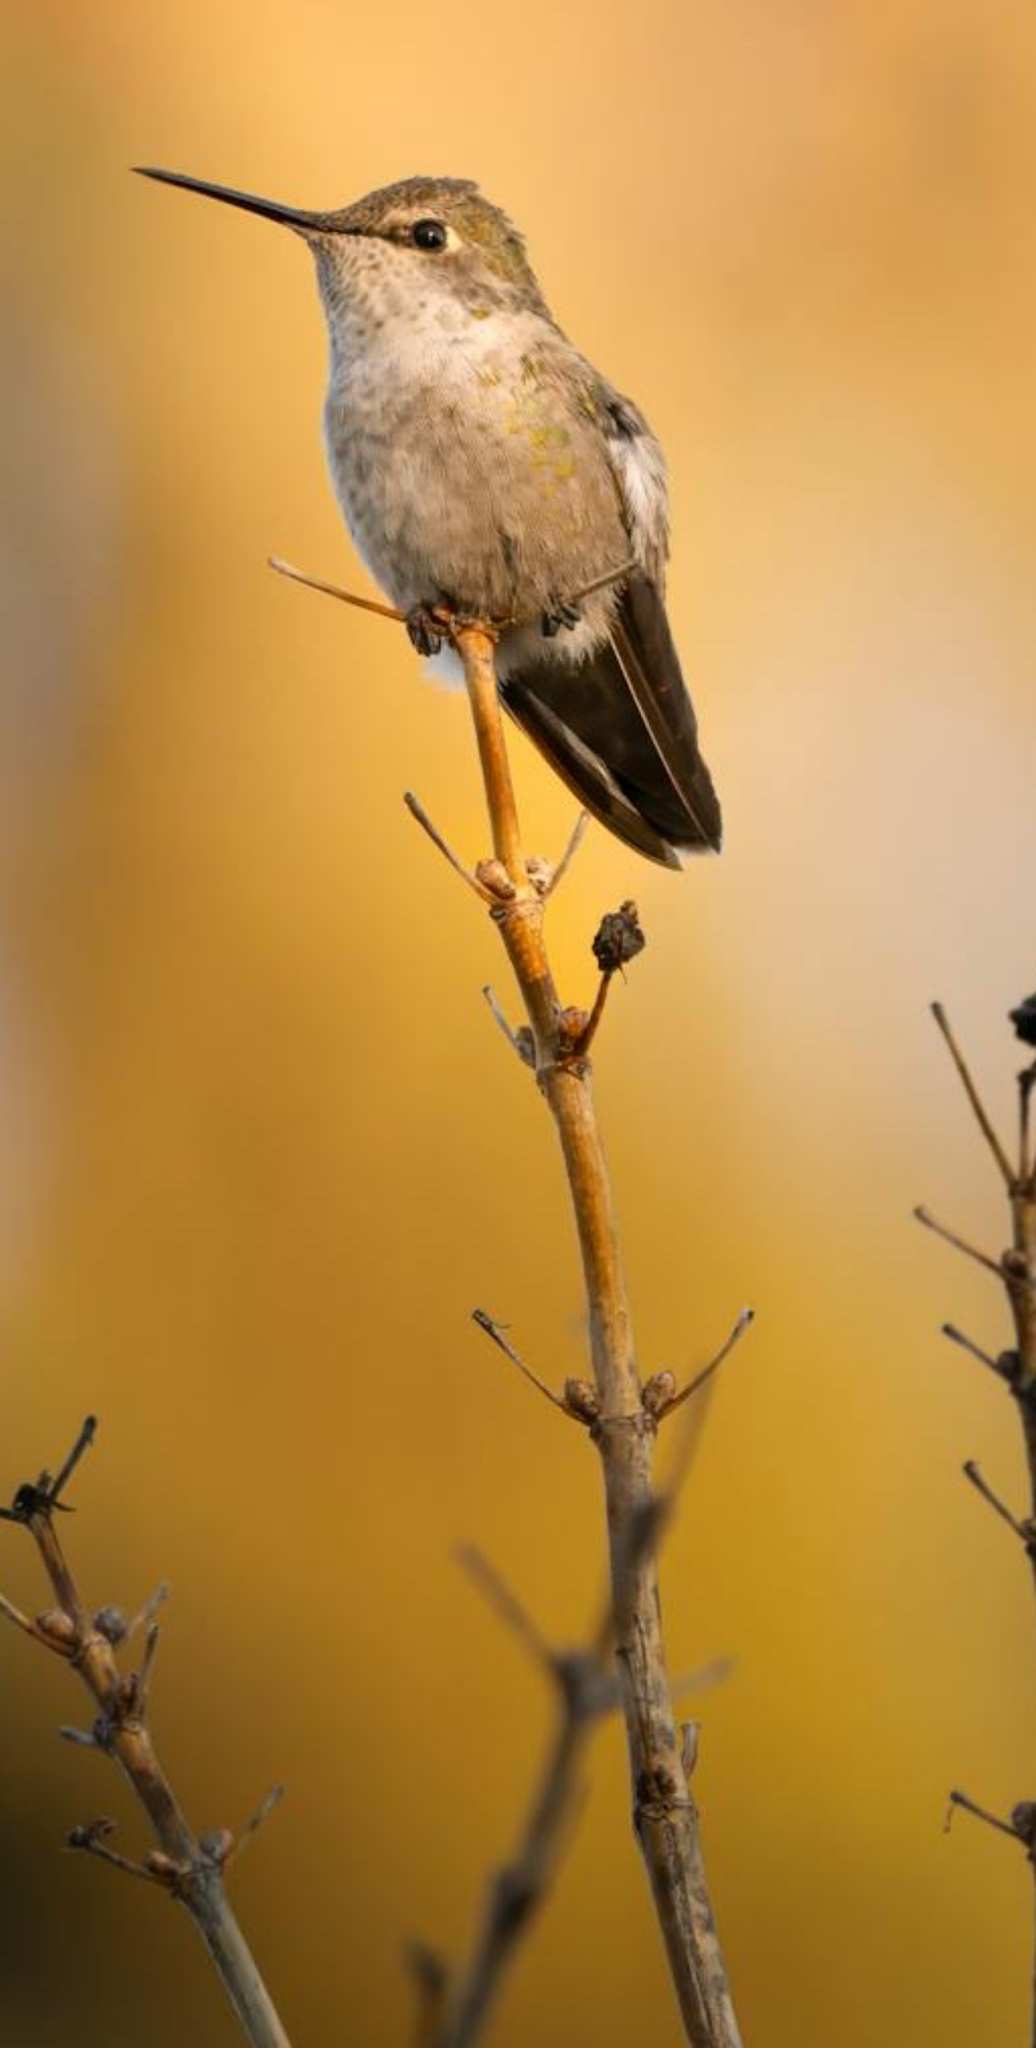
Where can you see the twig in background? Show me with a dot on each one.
(190, 1869)
(1017, 1368)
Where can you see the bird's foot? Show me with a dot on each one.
(567, 615)
(428, 626)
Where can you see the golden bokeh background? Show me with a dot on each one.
(263, 1149)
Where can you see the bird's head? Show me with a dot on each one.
(426, 240)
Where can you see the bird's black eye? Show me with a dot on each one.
(428, 234)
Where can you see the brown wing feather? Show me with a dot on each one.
(619, 729)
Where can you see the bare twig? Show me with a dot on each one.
(973, 1096)
(992, 1820)
(496, 1332)
(972, 1473)
(578, 835)
(362, 604)
(519, 1041)
(91, 1840)
(388, 611)
(32, 1628)
(959, 1244)
(255, 1821)
(417, 810)
(701, 1379)
(589, 1032)
(188, 1868)
(146, 1614)
(1003, 1366)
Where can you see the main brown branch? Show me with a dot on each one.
(664, 1813)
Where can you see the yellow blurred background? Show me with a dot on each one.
(263, 1149)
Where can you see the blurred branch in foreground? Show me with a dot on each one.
(1016, 1268)
(586, 1688)
(190, 1869)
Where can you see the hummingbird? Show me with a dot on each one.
(485, 467)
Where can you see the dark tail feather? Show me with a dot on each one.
(619, 728)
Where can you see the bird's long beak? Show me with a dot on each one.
(289, 216)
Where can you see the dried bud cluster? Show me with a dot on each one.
(618, 939)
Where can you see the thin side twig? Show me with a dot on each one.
(992, 1820)
(701, 1379)
(959, 1244)
(970, 1090)
(579, 832)
(417, 811)
(1003, 1366)
(974, 1475)
(498, 1336)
